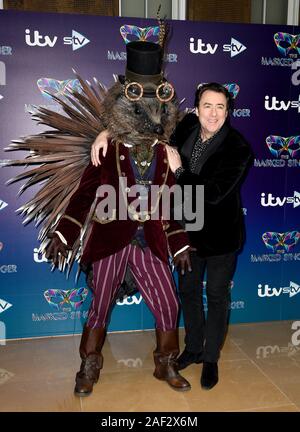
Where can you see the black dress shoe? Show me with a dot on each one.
(209, 376)
(187, 358)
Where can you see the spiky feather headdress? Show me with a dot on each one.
(61, 156)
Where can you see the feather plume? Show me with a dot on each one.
(163, 29)
(58, 158)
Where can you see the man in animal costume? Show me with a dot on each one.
(110, 242)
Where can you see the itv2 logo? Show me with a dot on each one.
(198, 47)
(77, 40)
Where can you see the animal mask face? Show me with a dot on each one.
(140, 121)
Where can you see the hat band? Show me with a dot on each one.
(143, 79)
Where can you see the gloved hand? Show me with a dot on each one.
(56, 247)
(182, 261)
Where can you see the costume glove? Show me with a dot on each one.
(56, 247)
(182, 261)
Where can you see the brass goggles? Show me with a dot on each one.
(135, 91)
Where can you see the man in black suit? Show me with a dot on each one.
(213, 154)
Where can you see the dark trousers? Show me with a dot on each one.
(206, 334)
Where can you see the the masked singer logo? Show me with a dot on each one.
(280, 242)
(65, 300)
(287, 43)
(132, 32)
(283, 147)
(50, 87)
(233, 89)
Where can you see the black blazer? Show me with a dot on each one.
(221, 170)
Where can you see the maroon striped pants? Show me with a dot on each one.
(153, 278)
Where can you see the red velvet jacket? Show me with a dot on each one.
(107, 236)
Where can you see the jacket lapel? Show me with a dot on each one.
(162, 165)
(123, 164)
(212, 147)
(187, 148)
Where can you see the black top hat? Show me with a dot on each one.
(144, 66)
(144, 58)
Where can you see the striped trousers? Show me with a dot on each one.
(153, 278)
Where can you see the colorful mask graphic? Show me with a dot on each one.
(131, 32)
(283, 147)
(286, 42)
(51, 87)
(280, 242)
(66, 299)
(233, 89)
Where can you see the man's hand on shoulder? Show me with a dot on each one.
(101, 142)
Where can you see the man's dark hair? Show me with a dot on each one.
(216, 87)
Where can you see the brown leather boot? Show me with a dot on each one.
(167, 350)
(92, 340)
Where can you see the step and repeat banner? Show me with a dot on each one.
(258, 64)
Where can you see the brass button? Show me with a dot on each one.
(147, 217)
(123, 174)
(165, 160)
(122, 157)
(127, 189)
(163, 175)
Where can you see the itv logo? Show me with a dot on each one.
(199, 47)
(131, 300)
(35, 39)
(268, 200)
(267, 291)
(38, 40)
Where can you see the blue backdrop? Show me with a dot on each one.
(258, 64)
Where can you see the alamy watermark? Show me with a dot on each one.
(2, 333)
(296, 335)
(141, 203)
(296, 75)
